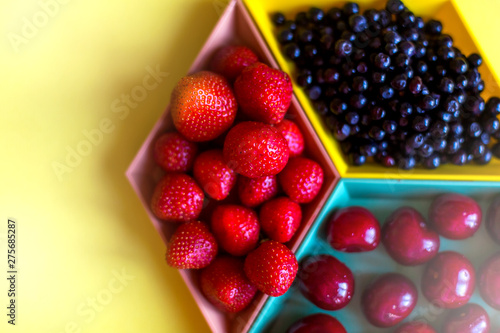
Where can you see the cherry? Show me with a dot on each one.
(317, 323)
(448, 280)
(455, 216)
(415, 327)
(353, 229)
(493, 220)
(489, 281)
(407, 238)
(389, 300)
(470, 318)
(326, 282)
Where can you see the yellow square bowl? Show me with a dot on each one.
(447, 11)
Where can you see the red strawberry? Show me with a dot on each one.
(301, 179)
(253, 192)
(177, 198)
(213, 175)
(191, 246)
(229, 61)
(280, 218)
(225, 284)
(292, 135)
(203, 106)
(236, 228)
(263, 93)
(255, 149)
(174, 153)
(272, 267)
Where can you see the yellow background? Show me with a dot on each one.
(78, 230)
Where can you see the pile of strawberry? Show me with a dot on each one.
(234, 181)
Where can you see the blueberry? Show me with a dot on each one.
(474, 60)
(378, 77)
(459, 65)
(446, 85)
(341, 131)
(456, 129)
(474, 130)
(315, 15)
(407, 48)
(405, 109)
(331, 75)
(439, 129)
(485, 158)
(372, 15)
(352, 117)
(377, 112)
(357, 159)
(392, 37)
(474, 105)
(432, 162)
(421, 123)
(369, 149)
(278, 18)
(388, 161)
(493, 106)
(439, 145)
(459, 158)
(359, 84)
(389, 126)
(477, 148)
(406, 19)
(382, 61)
(338, 106)
(301, 19)
(394, 6)
(386, 92)
(427, 102)
(433, 27)
(358, 23)
(461, 82)
(314, 92)
(350, 8)
(334, 14)
(491, 125)
(407, 163)
(425, 150)
(292, 51)
(391, 49)
(453, 145)
(285, 36)
(399, 82)
(343, 48)
(415, 141)
(376, 133)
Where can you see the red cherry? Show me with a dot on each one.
(448, 280)
(389, 300)
(470, 318)
(353, 229)
(415, 327)
(407, 239)
(455, 216)
(317, 323)
(489, 281)
(326, 282)
(493, 220)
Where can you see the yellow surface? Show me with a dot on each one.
(81, 227)
(482, 22)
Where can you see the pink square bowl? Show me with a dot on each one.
(235, 27)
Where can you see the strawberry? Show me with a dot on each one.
(191, 246)
(272, 267)
(213, 175)
(174, 153)
(255, 149)
(263, 93)
(236, 228)
(177, 198)
(292, 135)
(280, 218)
(225, 284)
(203, 106)
(253, 192)
(301, 179)
(230, 60)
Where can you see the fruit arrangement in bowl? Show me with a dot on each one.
(232, 176)
(397, 256)
(390, 86)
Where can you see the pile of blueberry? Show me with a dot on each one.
(391, 86)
